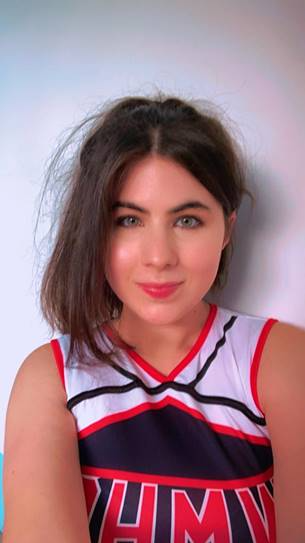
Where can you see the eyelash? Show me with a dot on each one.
(120, 221)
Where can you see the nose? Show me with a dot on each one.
(159, 249)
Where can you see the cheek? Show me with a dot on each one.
(121, 258)
(204, 255)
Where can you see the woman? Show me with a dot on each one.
(164, 417)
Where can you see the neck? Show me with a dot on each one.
(151, 340)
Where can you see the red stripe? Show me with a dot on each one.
(148, 368)
(184, 482)
(59, 360)
(147, 406)
(256, 360)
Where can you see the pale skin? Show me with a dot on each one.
(156, 243)
(42, 480)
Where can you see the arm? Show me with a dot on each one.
(281, 390)
(43, 493)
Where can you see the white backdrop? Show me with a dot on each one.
(61, 59)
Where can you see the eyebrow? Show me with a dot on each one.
(193, 204)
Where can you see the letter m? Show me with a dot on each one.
(211, 524)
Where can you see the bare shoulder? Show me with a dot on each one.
(42, 478)
(282, 368)
(287, 336)
(39, 372)
(37, 394)
(40, 363)
(281, 389)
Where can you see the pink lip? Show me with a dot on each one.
(159, 290)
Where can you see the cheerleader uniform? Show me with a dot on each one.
(183, 458)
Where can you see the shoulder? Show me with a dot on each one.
(281, 385)
(282, 369)
(37, 395)
(41, 480)
(39, 373)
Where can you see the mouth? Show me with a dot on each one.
(159, 290)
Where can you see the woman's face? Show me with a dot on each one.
(166, 242)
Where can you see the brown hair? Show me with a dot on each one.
(75, 296)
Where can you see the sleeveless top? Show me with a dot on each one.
(180, 458)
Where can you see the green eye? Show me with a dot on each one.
(189, 222)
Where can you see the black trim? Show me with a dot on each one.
(213, 355)
(216, 400)
(186, 388)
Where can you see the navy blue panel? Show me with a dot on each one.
(255, 494)
(239, 525)
(131, 504)
(99, 510)
(269, 487)
(173, 443)
(164, 513)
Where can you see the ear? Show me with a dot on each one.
(229, 225)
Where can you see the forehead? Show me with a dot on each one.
(160, 180)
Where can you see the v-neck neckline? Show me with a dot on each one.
(158, 375)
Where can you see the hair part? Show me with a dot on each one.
(76, 298)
